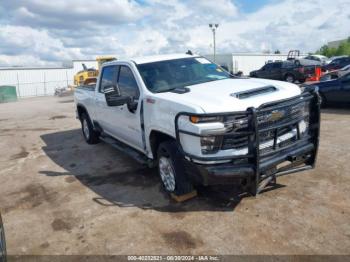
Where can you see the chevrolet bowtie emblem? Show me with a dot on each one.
(276, 115)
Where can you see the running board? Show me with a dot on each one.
(125, 149)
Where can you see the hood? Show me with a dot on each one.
(221, 95)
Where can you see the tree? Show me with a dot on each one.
(277, 51)
(342, 49)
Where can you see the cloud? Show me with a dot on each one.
(47, 31)
(73, 14)
(24, 42)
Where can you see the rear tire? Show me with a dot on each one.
(171, 169)
(90, 135)
(289, 78)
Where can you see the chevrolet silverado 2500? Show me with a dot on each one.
(200, 125)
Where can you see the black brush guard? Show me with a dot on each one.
(259, 168)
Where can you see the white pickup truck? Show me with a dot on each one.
(200, 125)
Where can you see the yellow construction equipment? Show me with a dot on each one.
(89, 75)
(103, 59)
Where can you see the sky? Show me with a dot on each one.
(42, 32)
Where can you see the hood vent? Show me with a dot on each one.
(254, 92)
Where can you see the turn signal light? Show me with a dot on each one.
(194, 119)
(205, 119)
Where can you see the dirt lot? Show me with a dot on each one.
(59, 195)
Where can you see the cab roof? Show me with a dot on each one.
(157, 58)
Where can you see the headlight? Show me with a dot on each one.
(212, 140)
(236, 122)
(303, 125)
(210, 144)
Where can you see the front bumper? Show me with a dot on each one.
(296, 159)
(258, 166)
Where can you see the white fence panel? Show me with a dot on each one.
(41, 81)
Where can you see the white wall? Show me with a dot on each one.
(41, 81)
(245, 62)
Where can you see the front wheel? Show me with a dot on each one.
(171, 169)
(90, 135)
(323, 101)
(3, 253)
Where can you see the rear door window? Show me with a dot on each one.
(288, 65)
(276, 65)
(267, 67)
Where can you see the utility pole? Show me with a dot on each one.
(213, 28)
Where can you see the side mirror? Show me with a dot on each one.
(114, 97)
(116, 100)
(112, 89)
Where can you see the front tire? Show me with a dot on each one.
(90, 135)
(3, 254)
(323, 101)
(171, 169)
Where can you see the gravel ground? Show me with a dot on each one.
(59, 195)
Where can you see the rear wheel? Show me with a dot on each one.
(289, 78)
(90, 135)
(171, 169)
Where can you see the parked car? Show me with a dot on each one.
(345, 68)
(3, 254)
(313, 60)
(200, 125)
(281, 70)
(337, 63)
(335, 74)
(335, 90)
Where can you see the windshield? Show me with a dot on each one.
(167, 75)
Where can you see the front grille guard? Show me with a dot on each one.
(254, 158)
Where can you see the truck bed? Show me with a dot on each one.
(87, 87)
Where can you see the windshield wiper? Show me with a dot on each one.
(178, 90)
